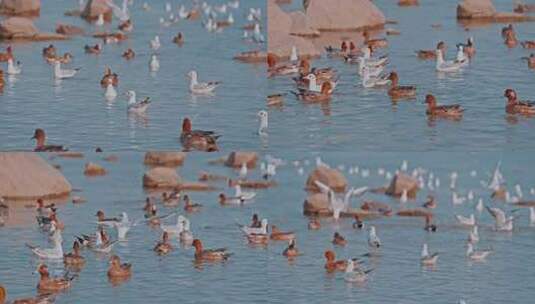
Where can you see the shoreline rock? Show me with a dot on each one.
(330, 177)
(237, 158)
(164, 158)
(23, 8)
(484, 11)
(161, 177)
(92, 169)
(21, 28)
(94, 8)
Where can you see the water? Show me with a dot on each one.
(263, 274)
(75, 113)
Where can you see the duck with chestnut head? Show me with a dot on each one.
(446, 111)
(515, 106)
(399, 92)
(199, 140)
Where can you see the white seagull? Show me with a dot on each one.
(110, 92)
(13, 69)
(263, 116)
(476, 255)
(466, 221)
(197, 87)
(503, 222)
(373, 239)
(446, 66)
(134, 106)
(60, 73)
(426, 259)
(54, 253)
(154, 63)
(155, 43)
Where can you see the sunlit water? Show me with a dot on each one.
(367, 119)
(263, 273)
(75, 113)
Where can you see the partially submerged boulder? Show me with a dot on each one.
(402, 182)
(164, 158)
(28, 8)
(484, 10)
(344, 15)
(94, 8)
(330, 177)
(26, 176)
(161, 177)
(92, 169)
(237, 158)
(67, 29)
(20, 28)
(317, 204)
(300, 26)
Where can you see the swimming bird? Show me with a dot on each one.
(255, 230)
(185, 236)
(243, 171)
(74, 258)
(175, 229)
(503, 222)
(515, 106)
(530, 60)
(220, 254)
(189, 206)
(13, 69)
(431, 54)
(278, 235)
(338, 239)
(461, 57)
(446, 66)
(371, 81)
(431, 202)
(373, 239)
(336, 205)
(138, 107)
(372, 70)
(428, 259)
(532, 216)
(473, 236)
(528, 44)
(469, 47)
(446, 111)
(466, 221)
(60, 73)
(178, 39)
(110, 92)
(456, 199)
(332, 264)
(155, 43)
(40, 146)
(258, 37)
(353, 275)
(263, 116)
(202, 88)
(100, 20)
(154, 63)
(49, 284)
(123, 226)
(54, 253)
(95, 49)
(117, 270)
(291, 251)
(399, 92)
(474, 255)
(198, 139)
(163, 247)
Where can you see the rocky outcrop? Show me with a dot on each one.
(402, 182)
(344, 15)
(237, 158)
(484, 10)
(94, 8)
(20, 28)
(67, 29)
(26, 176)
(300, 26)
(161, 177)
(317, 204)
(164, 158)
(330, 177)
(92, 169)
(26, 8)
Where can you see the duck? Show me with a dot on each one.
(54, 253)
(198, 139)
(201, 88)
(178, 39)
(358, 224)
(66, 58)
(129, 54)
(337, 52)
(48, 51)
(95, 49)
(514, 106)
(528, 44)
(13, 69)
(474, 255)
(510, 39)
(291, 251)
(530, 60)
(189, 206)
(109, 77)
(428, 259)
(171, 199)
(280, 70)
(126, 26)
(60, 73)
(74, 258)
(39, 299)
(4, 57)
(137, 107)
(447, 66)
(447, 111)
(374, 43)
(257, 238)
(278, 235)
(322, 74)
(339, 240)
(314, 224)
(373, 239)
(163, 247)
(118, 270)
(469, 47)
(399, 92)
(431, 202)
(48, 284)
(429, 225)
(154, 63)
(507, 30)
(331, 264)
(315, 97)
(220, 254)
(40, 146)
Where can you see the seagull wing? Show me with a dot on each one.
(498, 214)
(323, 188)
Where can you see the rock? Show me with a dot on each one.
(330, 177)
(67, 29)
(417, 212)
(161, 158)
(23, 29)
(26, 176)
(67, 154)
(20, 7)
(317, 204)
(195, 186)
(402, 182)
(280, 41)
(237, 158)
(343, 15)
(161, 177)
(300, 26)
(408, 3)
(112, 158)
(251, 56)
(94, 8)
(485, 10)
(92, 169)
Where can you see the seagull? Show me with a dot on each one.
(137, 106)
(353, 275)
(337, 205)
(497, 178)
(466, 221)
(371, 81)
(258, 37)
(532, 216)
(185, 235)
(54, 253)
(480, 206)
(373, 239)
(197, 87)
(503, 223)
(110, 92)
(120, 12)
(294, 57)
(473, 236)
(253, 230)
(476, 255)
(13, 69)
(154, 63)
(268, 171)
(263, 116)
(123, 226)
(427, 259)
(60, 73)
(446, 66)
(456, 199)
(243, 196)
(102, 247)
(155, 43)
(453, 180)
(175, 229)
(243, 171)
(100, 20)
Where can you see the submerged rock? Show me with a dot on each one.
(20, 7)
(67, 29)
(21, 28)
(237, 158)
(161, 177)
(27, 176)
(94, 8)
(485, 10)
(402, 182)
(92, 169)
(330, 177)
(164, 158)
